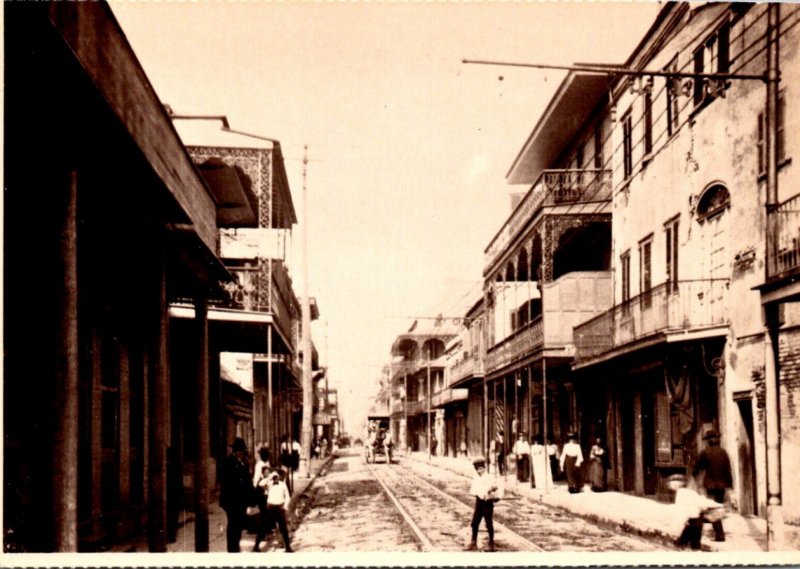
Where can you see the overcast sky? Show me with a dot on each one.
(408, 147)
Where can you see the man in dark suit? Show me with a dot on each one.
(236, 492)
(716, 466)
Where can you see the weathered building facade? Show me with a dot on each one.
(682, 350)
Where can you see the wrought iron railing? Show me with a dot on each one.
(470, 366)
(785, 223)
(669, 307)
(553, 187)
(521, 342)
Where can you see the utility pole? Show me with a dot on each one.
(305, 435)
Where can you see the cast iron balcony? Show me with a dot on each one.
(691, 305)
(553, 187)
(784, 223)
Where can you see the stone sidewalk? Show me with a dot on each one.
(217, 521)
(645, 516)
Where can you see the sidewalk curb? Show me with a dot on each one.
(311, 480)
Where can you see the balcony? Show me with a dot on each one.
(784, 223)
(552, 188)
(471, 366)
(251, 293)
(446, 396)
(666, 309)
(566, 302)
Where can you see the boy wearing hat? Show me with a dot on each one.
(716, 466)
(483, 488)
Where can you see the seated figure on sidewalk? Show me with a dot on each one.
(690, 509)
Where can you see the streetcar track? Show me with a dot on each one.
(503, 532)
(426, 544)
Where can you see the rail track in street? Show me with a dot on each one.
(440, 506)
(437, 518)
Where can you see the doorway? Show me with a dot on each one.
(748, 497)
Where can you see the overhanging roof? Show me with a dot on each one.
(578, 94)
(238, 330)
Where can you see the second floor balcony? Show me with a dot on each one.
(470, 366)
(672, 307)
(552, 188)
(784, 225)
(567, 301)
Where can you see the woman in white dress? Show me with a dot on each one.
(540, 465)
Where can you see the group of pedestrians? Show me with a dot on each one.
(264, 493)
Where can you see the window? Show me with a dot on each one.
(625, 262)
(627, 145)
(713, 202)
(598, 146)
(645, 267)
(648, 122)
(673, 98)
(761, 144)
(713, 56)
(579, 156)
(671, 241)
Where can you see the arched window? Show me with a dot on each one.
(713, 202)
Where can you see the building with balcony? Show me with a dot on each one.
(465, 373)
(416, 373)
(547, 268)
(96, 427)
(699, 243)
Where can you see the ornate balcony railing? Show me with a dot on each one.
(669, 307)
(470, 366)
(784, 222)
(553, 187)
(265, 288)
(522, 341)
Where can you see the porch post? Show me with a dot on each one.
(202, 425)
(65, 396)
(159, 419)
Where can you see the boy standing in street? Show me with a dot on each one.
(277, 505)
(483, 488)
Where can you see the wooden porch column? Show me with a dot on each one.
(201, 483)
(269, 387)
(638, 477)
(65, 386)
(159, 419)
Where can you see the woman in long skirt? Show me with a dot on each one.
(540, 465)
(597, 467)
(571, 460)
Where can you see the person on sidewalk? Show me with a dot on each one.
(522, 450)
(597, 466)
(236, 492)
(715, 465)
(483, 488)
(542, 477)
(688, 512)
(278, 498)
(571, 460)
(552, 456)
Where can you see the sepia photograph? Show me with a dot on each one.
(401, 283)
